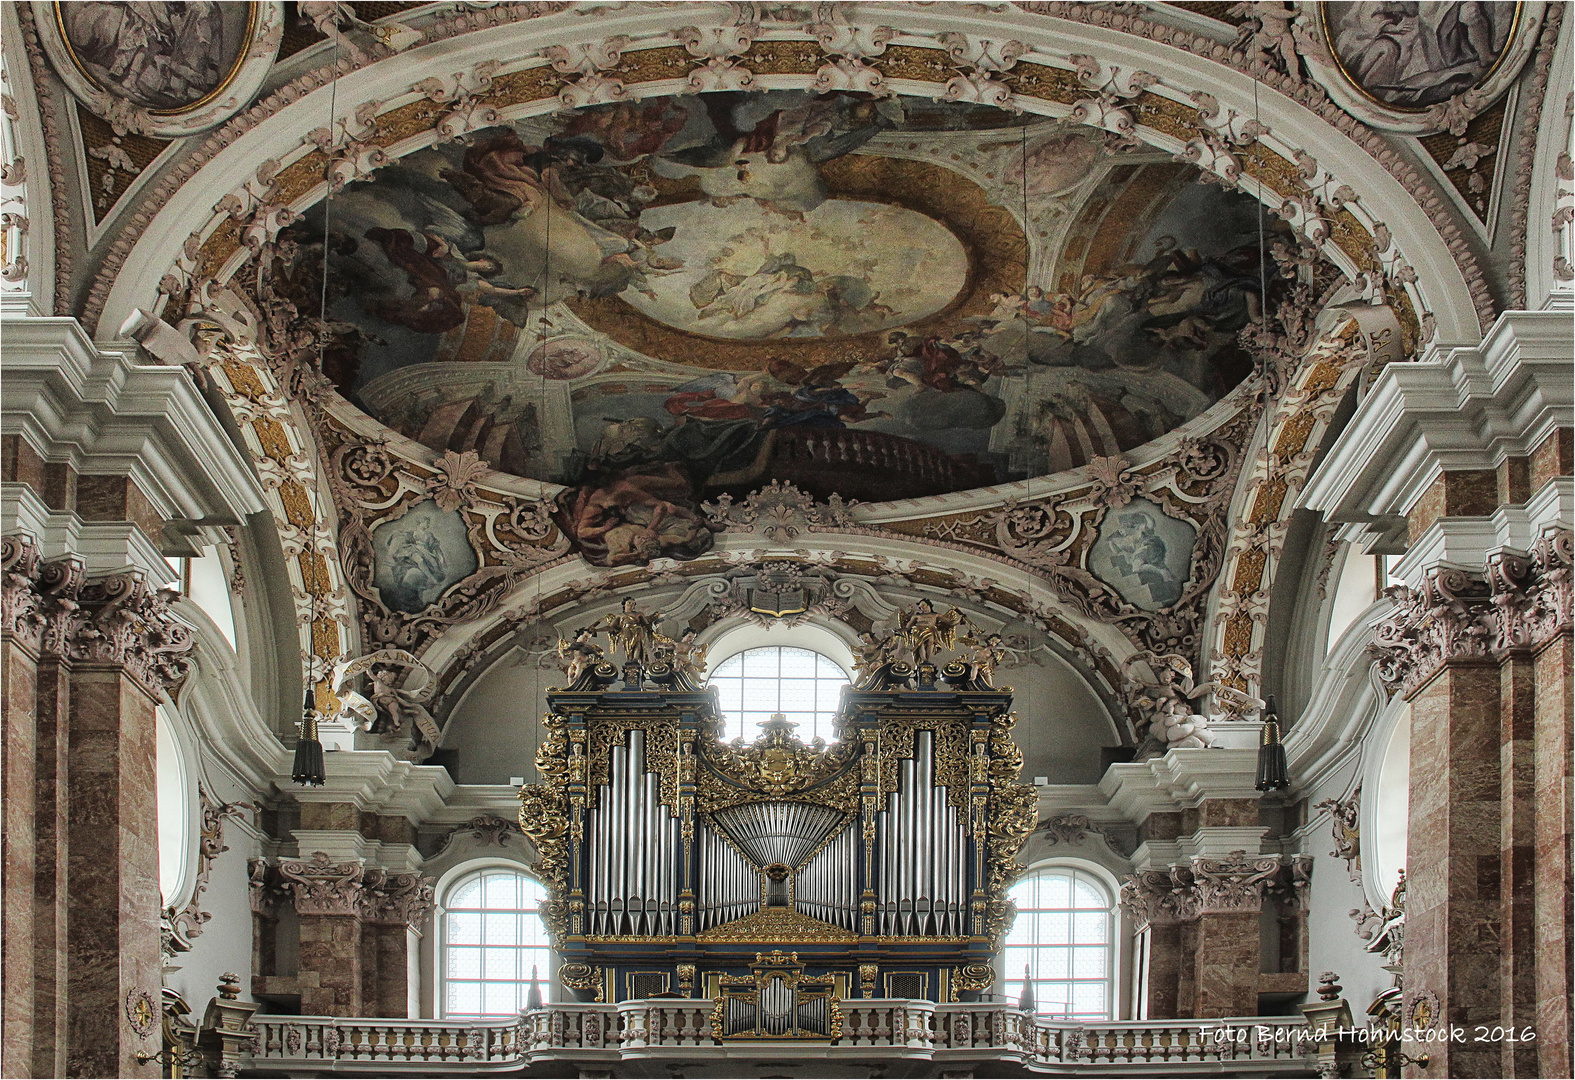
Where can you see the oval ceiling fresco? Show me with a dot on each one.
(660, 301)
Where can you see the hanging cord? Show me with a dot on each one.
(307, 769)
(328, 204)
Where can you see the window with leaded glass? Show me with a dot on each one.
(1064, 940)
(492, 940)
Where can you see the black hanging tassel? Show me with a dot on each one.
(308, 769)
(1273, 773)
(1025, 1000)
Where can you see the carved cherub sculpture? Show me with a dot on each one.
(1175, 721)
(579, 656)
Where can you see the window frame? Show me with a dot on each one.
(728, 732)
(1117, 941)
(454, 878)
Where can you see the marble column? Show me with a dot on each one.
(1553, 885)
(1227, 958)
(18, 847)
(355, 925)
(1162, 905)
(327, 899)
(124, 649)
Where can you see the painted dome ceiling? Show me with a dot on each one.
(878, 299)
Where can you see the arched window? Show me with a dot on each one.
(801, 683)
(1064, 937)
(492, 937)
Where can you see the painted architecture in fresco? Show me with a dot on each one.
(656, 302)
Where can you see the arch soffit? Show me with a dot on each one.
(569, 592)
(1194, 106)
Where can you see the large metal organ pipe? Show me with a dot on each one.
(922, 889)
(729, 884)
(635, 850)
(827, 888)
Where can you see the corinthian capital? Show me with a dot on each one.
(322, 886)
(1232, 884)
(1159, 897)
(393, 899)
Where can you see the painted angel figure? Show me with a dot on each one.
(578, 656)
(926, 631)
(685, 653)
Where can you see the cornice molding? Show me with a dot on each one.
(1464, 408)
(98, 411)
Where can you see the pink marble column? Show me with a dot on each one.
(1517, 839)
(113, 901)
(18, 853)
(1453, 900)
(1227, 957)
(1553, 887)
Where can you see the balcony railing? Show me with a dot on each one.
(872, 1029)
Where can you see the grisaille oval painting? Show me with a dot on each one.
(165, 57)
(656, 302)
(1410, 55)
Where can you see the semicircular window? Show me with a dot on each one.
(804, 685)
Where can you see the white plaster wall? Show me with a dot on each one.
(496, 726)
(1332, 944)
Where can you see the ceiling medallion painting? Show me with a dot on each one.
(659, 303)
(1419, 68)
(161, 69)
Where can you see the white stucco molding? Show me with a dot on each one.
(347, 845)
(375, 781)
(1179, 780)
(1458, 409)
(101, 413)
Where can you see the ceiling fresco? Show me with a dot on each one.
(653, 303)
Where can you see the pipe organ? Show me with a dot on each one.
(776, 877)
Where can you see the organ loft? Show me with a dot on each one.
(772, 875)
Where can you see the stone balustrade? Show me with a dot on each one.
(950, 1034)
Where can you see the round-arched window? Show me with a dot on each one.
(1063, 940)
(804, 685)
(492, 940)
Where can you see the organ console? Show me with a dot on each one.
(778, 877)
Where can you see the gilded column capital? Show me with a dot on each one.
(1233, 884)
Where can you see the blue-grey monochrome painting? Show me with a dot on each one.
(420, 555)
(1144, 554)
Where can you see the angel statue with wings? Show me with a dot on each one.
(1175, 722)
(926, 631)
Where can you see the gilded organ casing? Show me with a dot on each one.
(777, 877)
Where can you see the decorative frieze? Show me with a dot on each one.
(1519, 602)
(52, 610)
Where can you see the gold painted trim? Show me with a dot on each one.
(1498, 61)
(242, 55)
